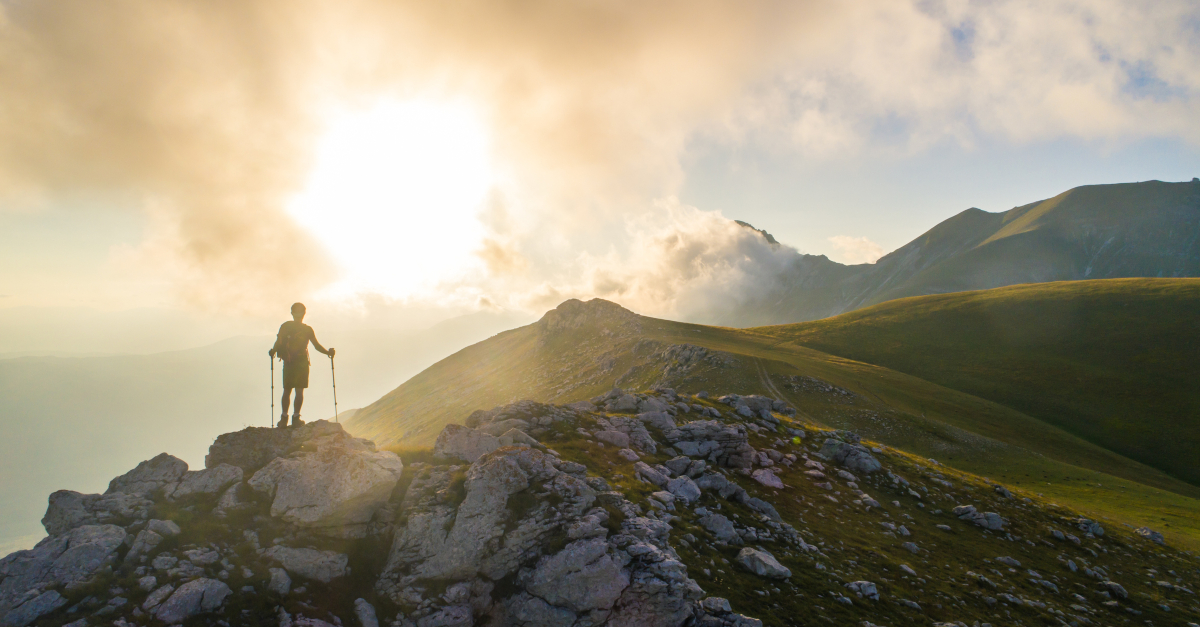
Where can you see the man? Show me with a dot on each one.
(291, 345)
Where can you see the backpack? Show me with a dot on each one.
(293, 342)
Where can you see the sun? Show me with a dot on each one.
(395, 193)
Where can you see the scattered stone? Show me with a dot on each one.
(767, 478)
(864, 589)
(1150, 535)
(628, 455)
(280, 582)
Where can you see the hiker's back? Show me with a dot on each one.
(293, 341)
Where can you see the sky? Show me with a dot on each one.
(410, 161)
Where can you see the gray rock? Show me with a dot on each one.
(67, 510)
(500, 427)
(323, 566)
(762, 507)
(57, 561)
(365, 613)
(453, 616)
(164, 528)
(207, 481)
(678, 465)
(854, 457)
(516, 437)
(335, 489)
(157, 597)
(1150, 535)
(459, 442)
(628, 455)
(615, 438)
(143, 544)
(1115, 589)
(625, 403)
(280, 583)
(762, 564)
(767, 478)
(720, 526)
(583, 407)
(911, 547)
(253, 447)
(34, 608)
(193, 598)
(650, 474)
(864, 589)
(1008, 561)
(149, 476)
(526, 609)
(148, 583)
(582, 577)
(657, 419)
(684, 488)
(716, 605)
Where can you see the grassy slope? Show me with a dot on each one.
(886, 405)
(1112, 361)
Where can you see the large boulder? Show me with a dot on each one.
(762, 564)
(335, 489)
(720, 443)
(150, 476)
(34, 608)
(58, 561)
(854, 457)
(582, 577)
(195, 597)
(459, 442)
(323, 566)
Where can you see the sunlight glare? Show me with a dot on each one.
(394, 195)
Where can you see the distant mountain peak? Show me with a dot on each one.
(574, 314)
(770, 238)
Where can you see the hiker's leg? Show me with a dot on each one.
(286, 401)
(299, 400)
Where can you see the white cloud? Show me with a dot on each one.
(855, 250)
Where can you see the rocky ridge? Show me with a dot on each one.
(652, 508)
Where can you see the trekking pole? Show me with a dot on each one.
(272, 392)
(333, 374)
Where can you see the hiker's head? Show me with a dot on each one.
(298, 311)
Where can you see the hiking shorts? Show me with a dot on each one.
(295, 374)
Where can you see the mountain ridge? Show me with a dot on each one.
(1147, 229)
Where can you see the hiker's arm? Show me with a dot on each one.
(318, 346)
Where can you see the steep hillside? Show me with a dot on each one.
(580, 350)
(1149, 229)
(1113, 362)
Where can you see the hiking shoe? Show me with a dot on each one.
(296, 422)
(282, 422)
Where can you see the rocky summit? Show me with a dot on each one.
(648, 508)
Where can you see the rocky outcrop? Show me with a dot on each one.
(852, 455)
(335, 485)
(64, 560)
(254, 447)
(720, 443)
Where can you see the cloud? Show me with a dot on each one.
(204, 117)
(855, 250)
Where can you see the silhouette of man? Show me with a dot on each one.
(291, 345)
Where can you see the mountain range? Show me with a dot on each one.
(1147, 229)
